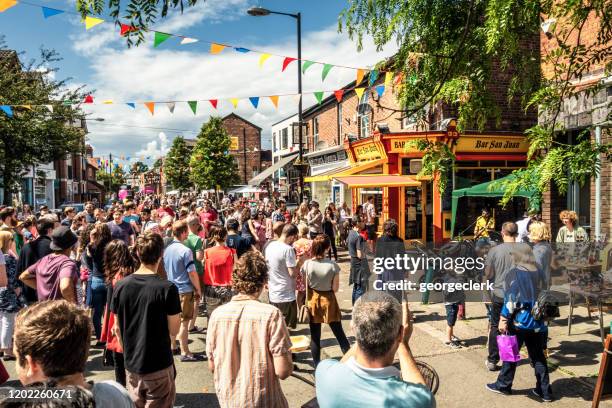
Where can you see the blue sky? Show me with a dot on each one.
(100, 59)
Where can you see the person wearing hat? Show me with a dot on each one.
(314, 219)
(55, 275)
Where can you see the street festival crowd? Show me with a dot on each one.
(134, 277)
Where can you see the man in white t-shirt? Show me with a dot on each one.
(284, 267)
(370, 222)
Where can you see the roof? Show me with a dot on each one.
(258, 179)
(284, 119)
(242, 119)
(93, 161)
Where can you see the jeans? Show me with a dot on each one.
(7, 326)
(358, 290)
(315, 339)
(536, 343)
(333, 250)
(96, 299)
(494, 310)
(119, 368)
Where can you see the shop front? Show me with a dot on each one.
(386, 166)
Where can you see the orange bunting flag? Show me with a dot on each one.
(359, 92)
(235, 102)
(287, 61)
(216, 48)
(150, 106)
(274, 99)
(398, 78)
(360, 74)
(91, 22)
(263, 59)
(339, 93)
(7, 4)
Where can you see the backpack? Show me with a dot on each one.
(546, 306)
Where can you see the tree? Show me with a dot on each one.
(116, 178)
(138, 168)
(447, 53)
(211, 164)
(176, 165)
(34, 134)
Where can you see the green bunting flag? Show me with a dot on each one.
(160, 38)
(306, 65)
(326, 69)
(319, 96)
(193, 105)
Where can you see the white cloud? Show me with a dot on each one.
(189, 72)
(155, 148)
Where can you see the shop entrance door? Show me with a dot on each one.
(413, 223)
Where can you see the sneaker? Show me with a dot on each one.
(453, 344)
(491, 366)
(189, 358)
(539, 395)
(456, 339)
(494, 388)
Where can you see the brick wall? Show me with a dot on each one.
(238, 127)
(606, 190)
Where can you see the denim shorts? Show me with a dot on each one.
(451, 313)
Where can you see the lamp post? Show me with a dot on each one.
(259, 12)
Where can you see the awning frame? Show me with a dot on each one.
(376, 180)
(353, 169)
(258, 179)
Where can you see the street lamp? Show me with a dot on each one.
(259, 12)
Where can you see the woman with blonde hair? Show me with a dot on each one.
(303, 247)
(570, 231)
(539, 235)
(10, 291)
(301, 215)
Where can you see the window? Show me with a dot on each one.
(274, 141)
(363, 112)
(285, 138)
(69, 172)
(315, 132)
(255, 171)
(340, 138)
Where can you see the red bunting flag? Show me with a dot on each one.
(127, 29)
(339, 93)
(213, 102)
(287, 61)
(88, 99)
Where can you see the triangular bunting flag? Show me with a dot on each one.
(339, 93)
(67, 103)
(388, 78)
(193, 105)
(171, 106)
(380, 89)
(398, 78)
(50, 12)
(213, 102)
(5, 5)
(242, 50)
(7, 109)
(49, 108)
(108, 102)
(287, 61)
(131, 105)
(254, 101)
(306, 65)
(360, 74)
(326, 69)
(235, 102)
(88, 99)
(160, 38)
(125, 28)
(297, 98)
(216, 48)
(92, 22)
(262, 59)
(150, 106)
(274, 99)
(319, 96)
(28, 107)
(373, 76)
(187, 40)
(359, 92)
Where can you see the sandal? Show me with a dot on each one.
(190, 358)
(196, 329)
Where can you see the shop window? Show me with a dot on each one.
(284, 138)
(255, 171)
(467, 164)
(492, 163)
(520, 164)
(411, 166)
(469, 177)
(315, 132)
(363, 115)
(413, 218)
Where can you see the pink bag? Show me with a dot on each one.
(508, 348)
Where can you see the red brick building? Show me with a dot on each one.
(246, 146)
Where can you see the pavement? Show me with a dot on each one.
(574, 361)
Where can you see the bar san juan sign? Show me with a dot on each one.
(492, 144)
(368, 151)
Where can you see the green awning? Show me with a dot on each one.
(491, 189)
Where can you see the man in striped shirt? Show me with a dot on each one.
(248, 343)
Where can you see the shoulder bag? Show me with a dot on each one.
(303, 312)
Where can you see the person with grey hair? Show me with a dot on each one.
(366, 376)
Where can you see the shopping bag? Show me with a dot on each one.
(508, 348)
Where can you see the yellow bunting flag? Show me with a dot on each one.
(28, 107)
(235, 102)
(7, 4)
(262, 59)
(359, 92)
(388, 78)
(108, 102)
(150, 106)
(216, 48)
(274, 99)
(360, 74)
(92, 22)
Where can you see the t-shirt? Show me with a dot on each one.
(354, 242)
(195, 243)
(500, 259)
(111, 394)
(121, 231)
(370, 212)
(142, 304)
(320, 273)
(237, 242)
(49, 271)
(90, 218)
(280, 257)
(130, 218)
(349, 384)
(209, 215)
(218, 265)
(178, 262)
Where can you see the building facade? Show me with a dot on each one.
(246, 146)
(285, 146)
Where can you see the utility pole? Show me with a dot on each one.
(245, 154)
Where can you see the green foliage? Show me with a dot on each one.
(116, 178)
(138, 168)
(158, 164)
(35, 136)
(176, 165)
(438, 160)
(211, 164)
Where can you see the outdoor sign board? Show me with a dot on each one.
(234, 143)
(368, 151)
(492, 144)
